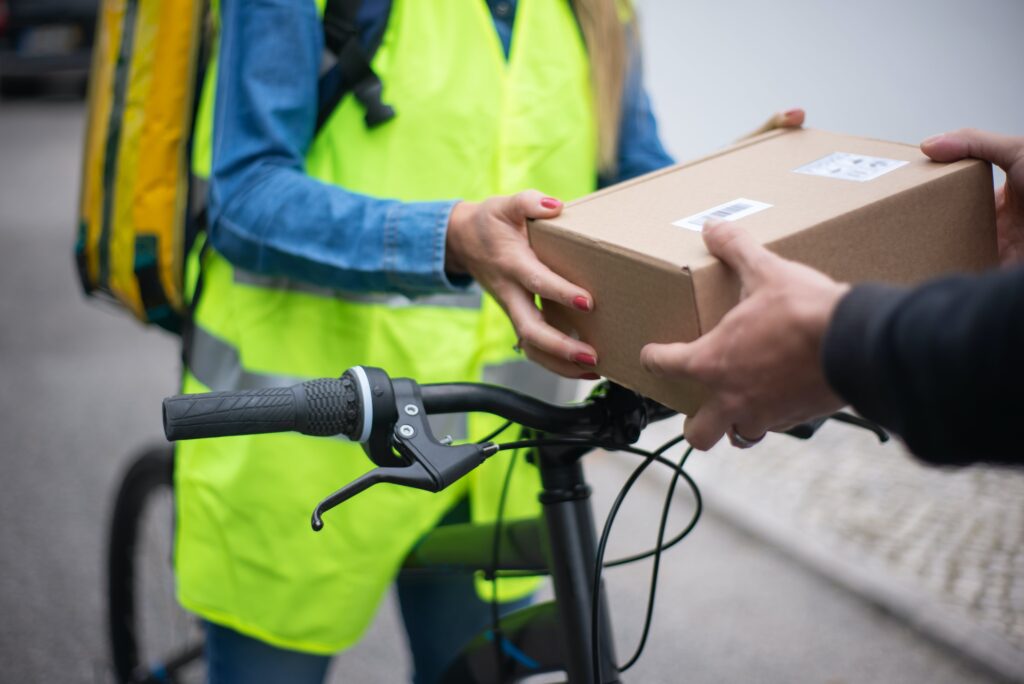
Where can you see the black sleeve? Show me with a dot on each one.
(942, 365)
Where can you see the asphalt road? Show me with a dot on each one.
(80, 390)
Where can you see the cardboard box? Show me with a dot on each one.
(857, 209)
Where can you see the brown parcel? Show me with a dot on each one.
(653, 281)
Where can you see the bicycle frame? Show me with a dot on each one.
(551, 636)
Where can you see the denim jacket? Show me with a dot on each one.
(269, 217)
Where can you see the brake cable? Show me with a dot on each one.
(650, 457)
(659, 548)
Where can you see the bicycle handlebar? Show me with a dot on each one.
(389, 418)
(465, 397)
(338, 406)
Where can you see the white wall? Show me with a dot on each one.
(894, 69)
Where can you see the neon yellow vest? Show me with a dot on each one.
(469, 125)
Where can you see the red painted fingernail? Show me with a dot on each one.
(590, 376)
(550, 203)
(585, 359)
(581, 303)
(792, 112)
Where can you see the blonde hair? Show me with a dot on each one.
(604, 32)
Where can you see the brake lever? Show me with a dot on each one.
(862, 423)
(413, 475)
(432, 466)
(806, 430)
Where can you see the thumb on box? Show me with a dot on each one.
(668, 360)
(738, 249)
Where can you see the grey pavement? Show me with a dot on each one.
(80, 391)
(944, 548)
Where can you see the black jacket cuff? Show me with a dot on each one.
(851, 351)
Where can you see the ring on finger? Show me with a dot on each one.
(518, 346)
(741, 442)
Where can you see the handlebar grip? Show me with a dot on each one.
(330, 406)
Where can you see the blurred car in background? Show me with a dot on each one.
(45, 45)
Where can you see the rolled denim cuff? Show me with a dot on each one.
(415, 234)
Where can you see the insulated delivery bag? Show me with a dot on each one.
(140, 207)
(136, 189)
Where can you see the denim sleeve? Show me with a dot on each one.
(640, 147)
(266, 214)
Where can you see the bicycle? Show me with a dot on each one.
(571, 634)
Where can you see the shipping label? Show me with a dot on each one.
(854, 167)
(729, 211)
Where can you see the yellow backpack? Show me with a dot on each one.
(140, 208)
(136, 186)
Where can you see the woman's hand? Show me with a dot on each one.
(488, 241)
(792, 118)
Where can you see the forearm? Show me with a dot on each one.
(940, 364)
(281, 222)
(267, 214)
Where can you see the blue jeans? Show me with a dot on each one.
(441, 612)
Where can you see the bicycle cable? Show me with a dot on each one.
(657, 558)
(556, 441)
(595, 598)
(650, 457)
(496, 633)
(504, 426)
(699, 506)
(599, 565)
(643, 555)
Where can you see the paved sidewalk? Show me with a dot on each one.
(943, 548)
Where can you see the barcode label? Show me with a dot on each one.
(731, 211)
(853, 167)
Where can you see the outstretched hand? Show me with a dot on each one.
(1006, 152)
(488, 241)
(762, 362)
(791, 118)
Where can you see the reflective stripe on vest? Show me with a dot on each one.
(456, 300)
(217, 365)
(469, 125)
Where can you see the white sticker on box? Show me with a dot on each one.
(730, 211)
(854, 167)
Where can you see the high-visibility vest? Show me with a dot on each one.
(469, 125)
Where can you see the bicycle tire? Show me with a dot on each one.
(147, 480)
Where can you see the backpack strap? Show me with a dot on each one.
(351, 71)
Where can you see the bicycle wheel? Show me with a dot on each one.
(151, 638)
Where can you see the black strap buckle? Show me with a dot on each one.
(369, 92)
(355, 74)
